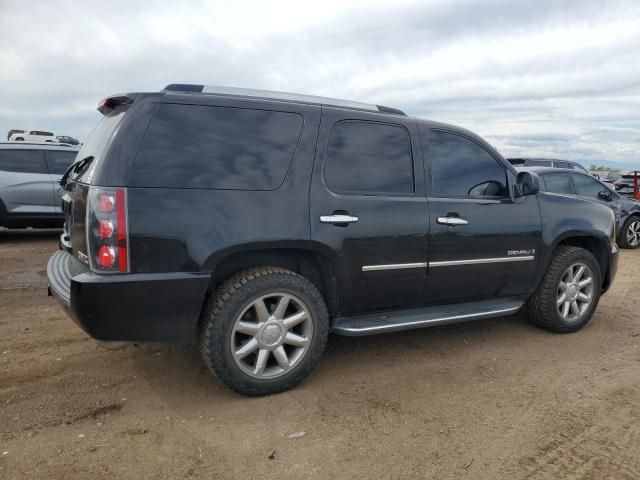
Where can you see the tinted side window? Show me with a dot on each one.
(557, 183)
(562, 164)
(538, 163)
(587, 186)
(365, 157)
(25, 161)
(59, 161)
(195, 146)
(461, 167)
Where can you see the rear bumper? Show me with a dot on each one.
(128, 307)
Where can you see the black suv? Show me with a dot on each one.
(257, 222)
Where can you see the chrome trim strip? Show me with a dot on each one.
(435, 321)
(477, 261)
(450, 263)
(394, 266)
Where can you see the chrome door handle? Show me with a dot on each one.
(338, 219)
(452, 221)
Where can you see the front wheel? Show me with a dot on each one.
(630, 236)
(569, 293)
(264, 330)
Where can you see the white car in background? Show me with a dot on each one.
(34, 136)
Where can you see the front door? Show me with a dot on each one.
(366, 215)
(484, 243)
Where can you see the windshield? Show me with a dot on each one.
(97, 142)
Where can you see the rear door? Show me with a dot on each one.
(484, 242)
(25, 183)
(368, 209)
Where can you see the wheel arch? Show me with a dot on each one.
(596, 245)
(310, 264)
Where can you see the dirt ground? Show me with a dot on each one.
(496, 399)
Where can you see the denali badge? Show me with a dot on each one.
(521, 252)
(82, 257)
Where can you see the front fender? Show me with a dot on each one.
(572, 220)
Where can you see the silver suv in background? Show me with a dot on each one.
(547, 162)
(29, 189)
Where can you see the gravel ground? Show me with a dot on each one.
(496, 399)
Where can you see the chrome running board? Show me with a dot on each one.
(393, 321)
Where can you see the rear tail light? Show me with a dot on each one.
(107, 236)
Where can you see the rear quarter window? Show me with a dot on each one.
(22, 161)
(196, 146)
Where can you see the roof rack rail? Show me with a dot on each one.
(275, 95)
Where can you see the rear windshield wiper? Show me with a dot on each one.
(73, 168)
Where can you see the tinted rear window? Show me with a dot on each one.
(60, 160)
(24, 161)
(195, 146)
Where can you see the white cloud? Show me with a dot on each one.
(546, 77)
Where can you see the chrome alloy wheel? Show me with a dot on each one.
(575, 292)
(271, 335)
(633, 233)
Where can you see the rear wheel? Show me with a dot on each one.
(569, 292)
(630, 236)
(19, 139)
(264, 330)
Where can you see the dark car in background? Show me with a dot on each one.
(547, 162)
(30, 194)
(68, 140)
(626, 211)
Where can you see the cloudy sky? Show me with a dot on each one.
(537, 78)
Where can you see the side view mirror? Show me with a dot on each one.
(605, 195)
(527, 183)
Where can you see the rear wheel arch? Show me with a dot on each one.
(307, 263)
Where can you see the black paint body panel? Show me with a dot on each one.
(181, 240)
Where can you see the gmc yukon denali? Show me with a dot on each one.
(256, 222)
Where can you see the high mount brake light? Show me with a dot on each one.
(107, 235)
(109, 104)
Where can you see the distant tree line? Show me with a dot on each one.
(601, 168)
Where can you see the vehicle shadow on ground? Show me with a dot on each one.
(176, 372)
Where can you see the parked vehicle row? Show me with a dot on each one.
(29, 183)
(625, 184)
(287, 217)
(39, 136)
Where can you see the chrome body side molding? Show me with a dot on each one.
(450, 263)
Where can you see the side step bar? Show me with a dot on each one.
(394, 321)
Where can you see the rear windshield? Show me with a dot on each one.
(195, 146)
(97, 142)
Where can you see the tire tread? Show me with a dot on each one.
(212, 353)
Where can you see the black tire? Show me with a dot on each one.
(542, 308)
(230, 300)
(624, 239)
(19, 139)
